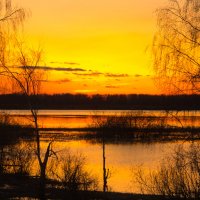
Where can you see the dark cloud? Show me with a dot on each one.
(60, 81)
(138, 75)
(96, 73)
(89, 74)
(56, 62)
(66, 63)
(62, 69)
(116, 75)
(112, 86)
(71, 63)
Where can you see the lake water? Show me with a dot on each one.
(121, 158)
(83, 118)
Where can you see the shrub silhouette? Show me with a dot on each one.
(177, 176)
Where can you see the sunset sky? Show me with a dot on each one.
(94, 46)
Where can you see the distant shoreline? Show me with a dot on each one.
(101, 102)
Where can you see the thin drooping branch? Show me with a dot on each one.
(176, 46)
(183, 19)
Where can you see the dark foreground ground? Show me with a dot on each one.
(18, 187)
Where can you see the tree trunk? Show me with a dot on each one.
(42, 181)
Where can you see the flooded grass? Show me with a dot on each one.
(123, 134)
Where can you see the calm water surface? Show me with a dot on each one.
(121, 159)
(83, 118)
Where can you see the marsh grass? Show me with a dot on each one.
(137, 126)
(129, 121)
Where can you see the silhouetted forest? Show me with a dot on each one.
(81, 101)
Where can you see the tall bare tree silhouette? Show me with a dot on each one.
(19, 67)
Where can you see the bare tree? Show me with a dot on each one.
(19, 67)
(176, 46)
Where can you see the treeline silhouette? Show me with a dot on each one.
(98, 102)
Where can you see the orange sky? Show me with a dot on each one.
(94, 46)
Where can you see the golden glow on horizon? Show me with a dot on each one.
(107, 39)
